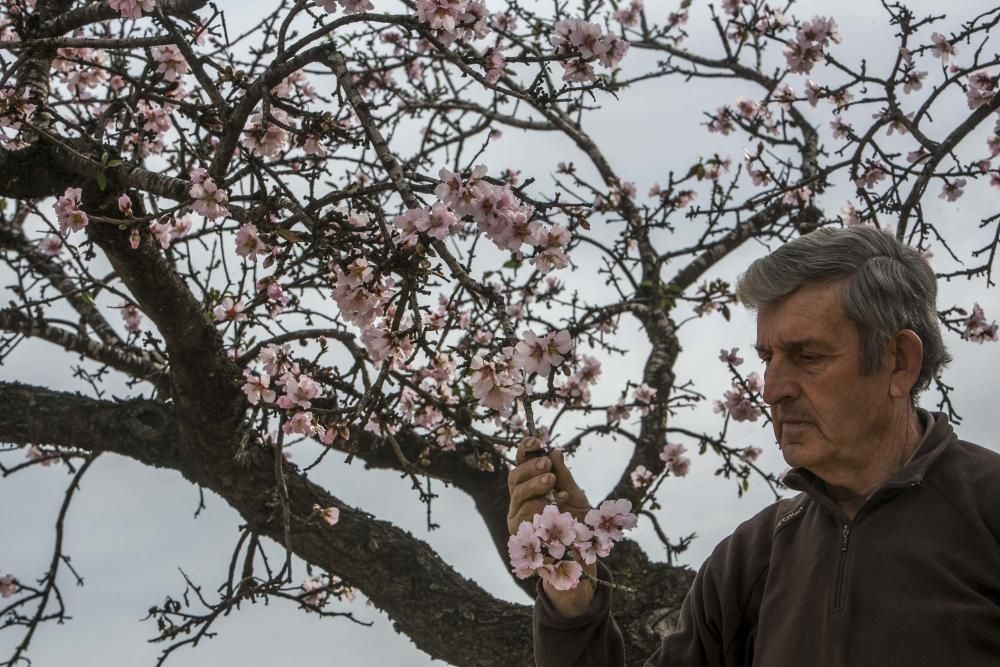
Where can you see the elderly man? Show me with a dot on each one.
(890, 555)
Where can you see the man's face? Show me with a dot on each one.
(828, 418)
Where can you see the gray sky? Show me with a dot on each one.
(131, 528)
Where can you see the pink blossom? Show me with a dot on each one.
(494, 62)
(363, 304)
(14, 108)
(170, 62)
(383, 344)
(131, 315)
(535, 354)
(976, 328)
(550, 241)
(68, 211)
(248, 244)
(8, 586)
(644, 394)
(299, 392)
(331, 515)
(45, 459)
(132, 9)
(228, 310)
(611, 518)
(51, 245)
(629, 16)
(257, 388)
(313, 145)
(125, 205)
(798, 196)
(913, 80)
(641, 477)
(555, 529)
(841, 129)
(731, 357)
(460, 194)
(562, 575)
(439, 222)
(409, 223)
(525, 551)
(315, 590)
(739, 407)
(952, 190)
(275, 359)
(356, 6)
(616, 413)
(441, 14)
(941, 48)
(495, 388)
(301, 423)
(751, 454)
(209, 200)
(163, 232)
(264, 137)
(873, 174)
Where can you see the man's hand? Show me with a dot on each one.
(528, 483)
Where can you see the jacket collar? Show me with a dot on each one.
(938, 435)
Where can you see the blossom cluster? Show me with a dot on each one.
(461, 20)
(676, 462)
(587, 43)
(807, 48)
(209, 200)
(68, 212)
(360, 293)
(14, 110)
(576, 390)
(170, 229)
(497, 213)
(132, 9)
(170, 62)
(248, 244)
(976, 328)
(281, 382)
(738, 404)
(553, 542)
(349, 6)
(264, 137)
(8, 586)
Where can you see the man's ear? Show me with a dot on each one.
(906, 354)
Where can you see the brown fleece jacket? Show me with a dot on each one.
(913, 580)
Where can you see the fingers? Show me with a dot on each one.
(528, 483)
(527, 470)
(526, 448)
(535, 487)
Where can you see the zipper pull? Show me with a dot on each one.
(845, 533)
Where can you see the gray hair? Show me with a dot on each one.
(888, 287)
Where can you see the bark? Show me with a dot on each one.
(448, 616)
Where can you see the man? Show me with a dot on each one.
(890, 555)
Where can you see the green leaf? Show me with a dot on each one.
(102, 181)
(512, 264)
(115, 163)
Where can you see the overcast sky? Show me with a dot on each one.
(131, 528)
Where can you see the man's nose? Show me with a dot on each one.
(779, 383)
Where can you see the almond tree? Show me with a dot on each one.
(183, 203)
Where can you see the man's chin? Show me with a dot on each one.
(794, 452)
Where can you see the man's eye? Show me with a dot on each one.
(809, 358)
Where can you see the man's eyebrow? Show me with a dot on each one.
(794, 345)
